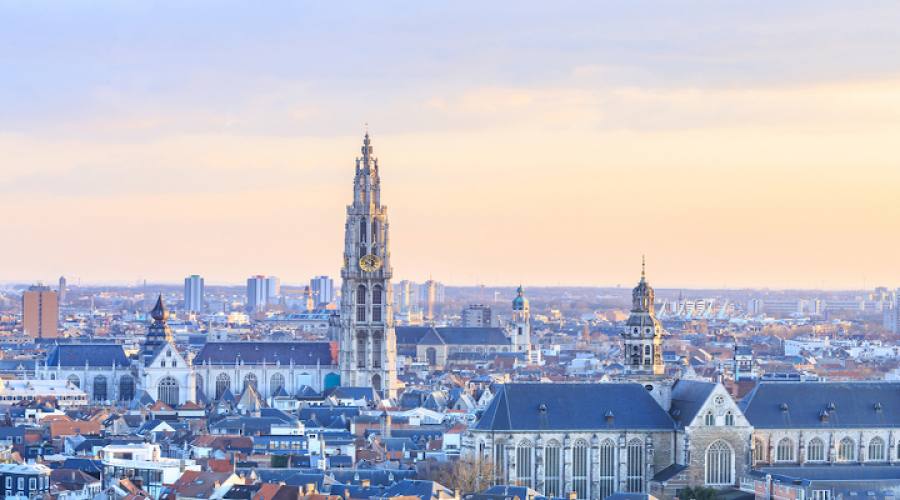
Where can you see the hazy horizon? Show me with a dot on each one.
(736, 145)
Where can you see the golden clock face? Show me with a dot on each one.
(369, 263)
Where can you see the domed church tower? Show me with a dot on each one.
(643, 332)
(521, 319)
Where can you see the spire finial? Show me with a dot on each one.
(643, 267)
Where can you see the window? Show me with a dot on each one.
(876, 449)
(607, 468)
(8, 482)
(729, 418)
(815, 450)
(523, 464)
(846, 450)
(552, 462)
(785, 451)
(74, 380)
(718, 464)
(376, 350)
(167, 391)
(499, 463)
(710, 419)
(580, 468)
(361, 342)
(32, 483)
(276, 383)
(820, 495)
(635, 481)
(223, 383)
(20, 483)
(100, 388)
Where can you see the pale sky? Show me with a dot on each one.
(734, 143)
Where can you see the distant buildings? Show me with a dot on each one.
(477, 316)
(40, 312)
(322, 291)
(262, 291)
(193, 293)
(62, 289)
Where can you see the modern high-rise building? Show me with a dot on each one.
(322, 290)
(273, 289)
(892, 314)
(477, 316)
(193, 293)
(40, 312)
(368, 343)
(432, 297)
(256, 293)
(62, 289)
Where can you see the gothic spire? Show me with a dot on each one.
(159, 312)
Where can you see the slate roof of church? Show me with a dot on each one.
(254, 353)
(410, 334)
(465, 336)
(800, 405)
(99, 355)
(688, 397)
(537, 406)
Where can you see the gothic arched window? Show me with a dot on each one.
(377, 342)
(815, 450)
(524, 469)
(759, 451)
(846, 450)
(876, 449)
(223, 383)
(126, 388)
(74, 380)
(361, 342)
(552, 469)
(785, 450)
(361, 303)
(709, 419)
(100, 388)
(718, 464)
(499, 462)
(250, 379)
(580, 469)
(276, 383)
(167, 391)
(607, 468)
(729, 418)
(377, 299)
(635, 481)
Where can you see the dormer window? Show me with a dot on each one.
(710, 418)
(168, 354)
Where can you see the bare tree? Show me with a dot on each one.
(465, 475)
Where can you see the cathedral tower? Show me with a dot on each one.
(367, 345)
(643, 332)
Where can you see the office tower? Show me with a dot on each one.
(308, 297)
(40, 312)
(62, 289)
(193, 293)
(892, 314)
(273, 289)
(368, 344)
(322, 290)
(432, 297)
(406, 296)
(477, 316)
(256, 293)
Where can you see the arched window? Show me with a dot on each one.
(74, 380)
(431, 356)
(250, 379)
(223, 383)
(607, 468)
(729, 418)
(361, 342)
(361, 303)
(580, 468)
(524, 467)
(635, 481)
(846, 450)
(718, 464)
(876, 449)
(276, 383)
(362, 231)
(100, 388)
(376, 303)
(376, 349)
(552, 469)
(167, 391)
(710, 419)
(198, 386)
(126, 388)
(376, 382)
(785, 451)
(815, 450)
(499, 462)
(759, 451)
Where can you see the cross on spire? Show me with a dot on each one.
(643, 267)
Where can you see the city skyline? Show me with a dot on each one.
(762, 172)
